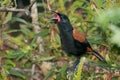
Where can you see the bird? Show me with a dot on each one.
(73, 42)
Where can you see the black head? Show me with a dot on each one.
(61, 18)
(63, 22)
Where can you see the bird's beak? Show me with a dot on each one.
(54, 20)
(56, 13)
(57, 19)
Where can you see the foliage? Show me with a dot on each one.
(109, 19)
(99, 21)
(79, 70)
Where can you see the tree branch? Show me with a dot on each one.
(5, 9)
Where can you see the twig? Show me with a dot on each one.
(25, 70)
(32, 2)
(2, 31)
(5, 9)
(11, 44)
(48, 5)
(32, 71)
(93, 6)
(27, 10)
(15, 3)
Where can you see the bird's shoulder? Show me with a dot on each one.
(81, 39)
(78, 36)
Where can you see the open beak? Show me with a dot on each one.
(54, 20)
(56, 13)
(57, 18)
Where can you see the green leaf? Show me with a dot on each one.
(8, 17)
(17, 74)
(4, 2)
(63, 71)
(19, 20)
(9, 62)
(11, 31)
(100, 3)
(61, 4)
(116, 33)
(26, 30)
(14, 55)
(43, 59)
(76, 4)
(79, 70)
(49, 73)
(42, 33)
(108, 17)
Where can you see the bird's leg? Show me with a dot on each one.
(72, 69)
(75, 64)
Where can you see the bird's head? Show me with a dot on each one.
(63, 21)
(60, 18)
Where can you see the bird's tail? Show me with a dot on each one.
(99, 56)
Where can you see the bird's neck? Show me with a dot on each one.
(65, 28)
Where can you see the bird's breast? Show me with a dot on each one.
(67, 42)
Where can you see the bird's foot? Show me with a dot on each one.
(70, 72)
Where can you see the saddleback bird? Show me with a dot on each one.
(73, 42)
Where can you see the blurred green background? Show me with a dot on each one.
(20, 58)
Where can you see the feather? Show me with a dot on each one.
(99, 56)
(78, 36)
